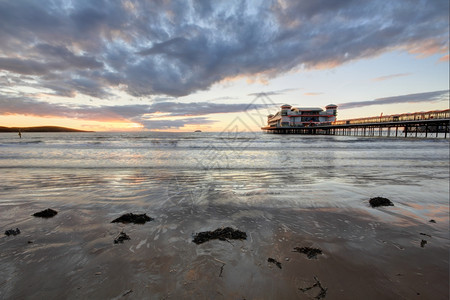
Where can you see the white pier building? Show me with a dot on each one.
(290, 116)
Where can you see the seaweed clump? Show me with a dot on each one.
(322, 290)
(274, 261)
(132, 218)
(380, 201)
(12, 232)
(121, 237)
(47, 213)
(310, 252)
(223, 234)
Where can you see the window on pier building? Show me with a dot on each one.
(310, 113)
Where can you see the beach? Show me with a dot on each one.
(283, 191)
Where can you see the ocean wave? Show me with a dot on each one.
(21, 143)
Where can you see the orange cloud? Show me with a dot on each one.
(324, 65)
(444, 58)
(386, 77)
(427, 48)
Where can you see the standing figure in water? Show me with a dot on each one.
(20, 134)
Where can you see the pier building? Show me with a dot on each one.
(290, 116)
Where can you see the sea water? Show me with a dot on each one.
(265, 169)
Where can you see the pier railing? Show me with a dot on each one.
(417, 116)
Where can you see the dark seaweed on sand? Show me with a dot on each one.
(132, 218)
(322, 290)
(121, 237)
(48, 213)
(380, 201)
(310, 252)
(12, 232)
(222, 234)
(274, 261)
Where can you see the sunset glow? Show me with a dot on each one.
(190, 66)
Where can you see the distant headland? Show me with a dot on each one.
(40, 129)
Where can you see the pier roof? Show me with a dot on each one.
(309, 108)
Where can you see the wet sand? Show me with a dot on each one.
(284, 191)
(368, 253)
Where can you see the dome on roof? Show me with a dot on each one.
(331, 105)
(286, 105)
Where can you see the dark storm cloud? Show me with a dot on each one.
(21, 66)
(69, 87)
(72, 60)
(419, 97)
(175, 48)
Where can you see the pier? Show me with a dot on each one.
(434, 124)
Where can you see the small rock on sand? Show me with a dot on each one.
(380, 201)
(48, 213)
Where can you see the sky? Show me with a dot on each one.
(214, 65)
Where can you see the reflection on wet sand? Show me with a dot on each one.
(367, 253)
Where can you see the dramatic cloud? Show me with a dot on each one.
(197, 108)
(419, 97)
(387, 77)
(175, 48)
(156, 115)
(273, 93)
(31, 107)
(175, 124)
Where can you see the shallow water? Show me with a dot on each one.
(283, 190)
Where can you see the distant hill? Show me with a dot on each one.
(40, 129)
